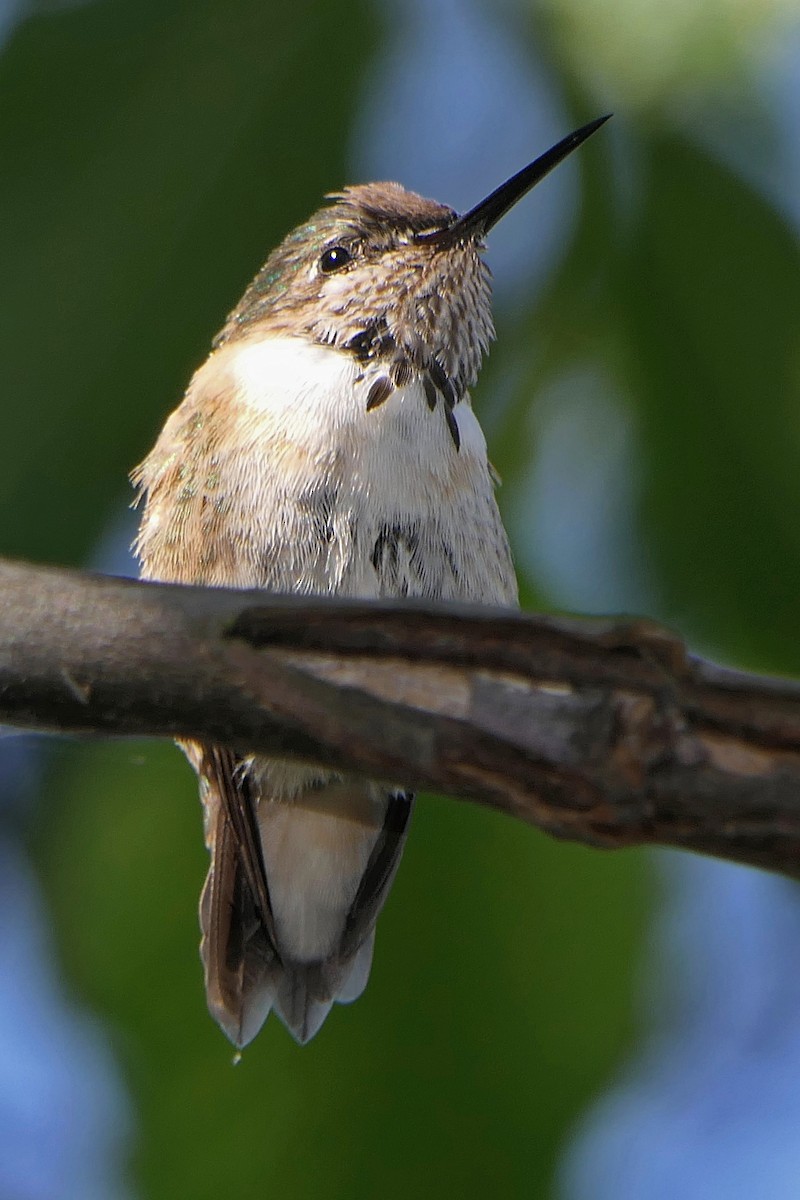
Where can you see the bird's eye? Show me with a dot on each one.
(334, 258)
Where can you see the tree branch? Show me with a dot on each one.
(605, 732)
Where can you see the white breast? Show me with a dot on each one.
(316, 396)
(330, 487)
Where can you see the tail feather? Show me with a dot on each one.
(293, 891)
(357, 977)
(245, 977)
(300, 994)
(306, 993)
(302, 1001)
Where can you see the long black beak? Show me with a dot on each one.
(480, 219)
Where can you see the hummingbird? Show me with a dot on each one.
(328, 446)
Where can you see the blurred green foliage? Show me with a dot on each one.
(153, 153)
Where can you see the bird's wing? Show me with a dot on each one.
(238, 943)
(379, 873)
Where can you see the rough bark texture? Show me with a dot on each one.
(605, 732)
